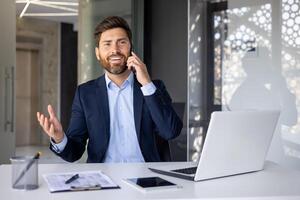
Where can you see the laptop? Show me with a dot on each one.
(237, 142)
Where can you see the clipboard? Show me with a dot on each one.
(88, 180)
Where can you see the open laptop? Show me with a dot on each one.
(237, 142)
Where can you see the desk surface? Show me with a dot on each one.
(274, 182)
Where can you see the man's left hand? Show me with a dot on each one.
(134, 62)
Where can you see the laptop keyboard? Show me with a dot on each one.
(190, 170)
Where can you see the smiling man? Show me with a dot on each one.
(121, 113)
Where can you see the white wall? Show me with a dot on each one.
(42, 35)
(7, 68)
(267, 78)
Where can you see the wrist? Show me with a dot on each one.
(57, 139)
(148, 89)
(145, 82)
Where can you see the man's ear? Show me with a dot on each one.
(97, 53)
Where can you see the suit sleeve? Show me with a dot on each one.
(167, 123)
(77, 132)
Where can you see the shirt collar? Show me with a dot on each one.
(129, 81)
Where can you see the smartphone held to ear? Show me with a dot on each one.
(132, 67)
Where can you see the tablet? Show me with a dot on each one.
(150, 183)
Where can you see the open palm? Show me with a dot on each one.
(51, 126)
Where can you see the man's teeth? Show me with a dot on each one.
(115, 58)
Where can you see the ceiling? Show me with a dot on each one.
(56, 10)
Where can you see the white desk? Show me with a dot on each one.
(272, 183)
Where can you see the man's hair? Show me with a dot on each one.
(110, 23)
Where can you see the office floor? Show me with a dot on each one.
(47, 156)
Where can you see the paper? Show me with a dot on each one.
(86, 180)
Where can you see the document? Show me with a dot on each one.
(86, 180)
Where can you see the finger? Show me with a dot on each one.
(51, 112)
(41, 117)
(38, 115)
(136, 57)
(46, 125)
(136, 61)
(136, 64)
(129, 66)
(51, 130)
(41, 120)
(130, 63)
(130, 59)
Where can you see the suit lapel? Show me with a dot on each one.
(102, 101)
(137, 106)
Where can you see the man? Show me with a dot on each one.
(121, 113)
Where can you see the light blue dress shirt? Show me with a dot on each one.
(123, 144)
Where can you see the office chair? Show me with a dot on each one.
(163, 148)
(163, 145)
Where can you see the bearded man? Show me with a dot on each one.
(119, 114)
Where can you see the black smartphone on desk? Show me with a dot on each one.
(150, 183)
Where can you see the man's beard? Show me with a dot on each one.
(114, 69)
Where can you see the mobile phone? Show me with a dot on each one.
(150, 183)
(132, 67)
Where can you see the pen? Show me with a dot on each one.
(36, 156)
(81, 188)
(73, 178)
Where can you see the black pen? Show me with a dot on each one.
(73, 178)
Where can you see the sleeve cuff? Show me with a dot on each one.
(148, 89)
(59, 147)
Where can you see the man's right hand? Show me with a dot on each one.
(51, 125)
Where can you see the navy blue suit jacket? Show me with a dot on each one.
(90, 121)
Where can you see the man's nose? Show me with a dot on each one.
(115, 48)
